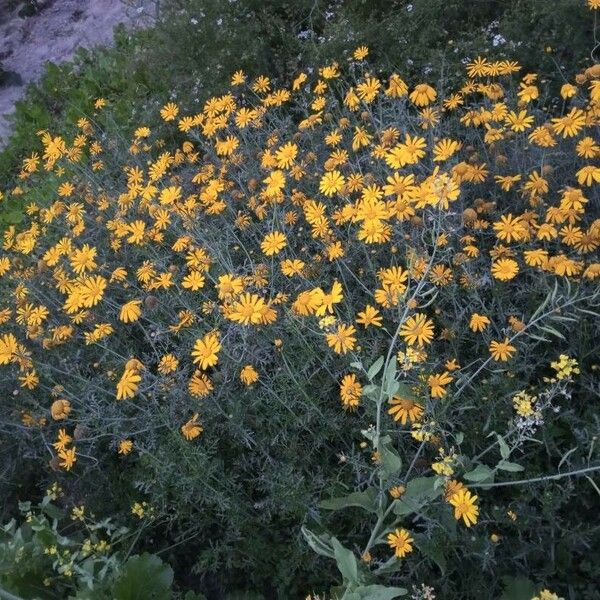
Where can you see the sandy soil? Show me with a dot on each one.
(54, 34)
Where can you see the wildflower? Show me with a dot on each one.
(350, 391)
(8, 348)
(191, 429)
(396, 491)
(505, 269)
(67, 458)
(273, 243)
(501, 351)
(404, 409)
(436, 383)
(331, 183)
(130, 311)
(342, 338)
(423, 95)
(369, 316)
(60, 409)
(565, 367)
(169, 111)
(401, 542)
(125, 447)
(206, 350)
(199, 384)
(248, 375)
(465, 507)
(128, 384)
(417, 330)
(361, 53)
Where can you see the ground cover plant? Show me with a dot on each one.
(333, 338)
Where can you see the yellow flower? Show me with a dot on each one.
(248, 375)
(169, 111)
(125, 447)
(423, 95)
(192, 429)
(128, 384)
(465, 507)
(350, 391)
(361, 53)
(8, 348)
(206, 350)
(342, 338)
(501, 351)
(403, 410)
(401, 542)
(369, 316)
(67, 458)
(273, 243)
(331, 183)
(60, 409)
(167, 364)
(505, 269)
(437, 382)
(417, 330)
(130, 311)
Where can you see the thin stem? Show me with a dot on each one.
(537, 479)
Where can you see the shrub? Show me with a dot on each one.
(381, 296)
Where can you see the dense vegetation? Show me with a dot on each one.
(302, 299)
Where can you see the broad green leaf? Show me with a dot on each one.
(418, 492)
(504, 449)
(366, 499)
(391, 463)
(505, 465)
(321, 544)
(371, 390)
(375, 368)
(379, 592)
(479, 473)
(346, 561)
(144, 577)
(517, 588)
(432, 549)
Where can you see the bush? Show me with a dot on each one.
(380, 297)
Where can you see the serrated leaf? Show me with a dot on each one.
(366, 499)
(479, 473)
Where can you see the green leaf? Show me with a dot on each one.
(379, 592)
(375, 368)
(432, 549)
(504, 449)
(371, 390)
(389, 378)
(391, 463)
(144, 577)
(346, 561)
(321, 544)
(505, 465)
(517, 588)
(419, 491)
(479, 473)
(366, 499)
